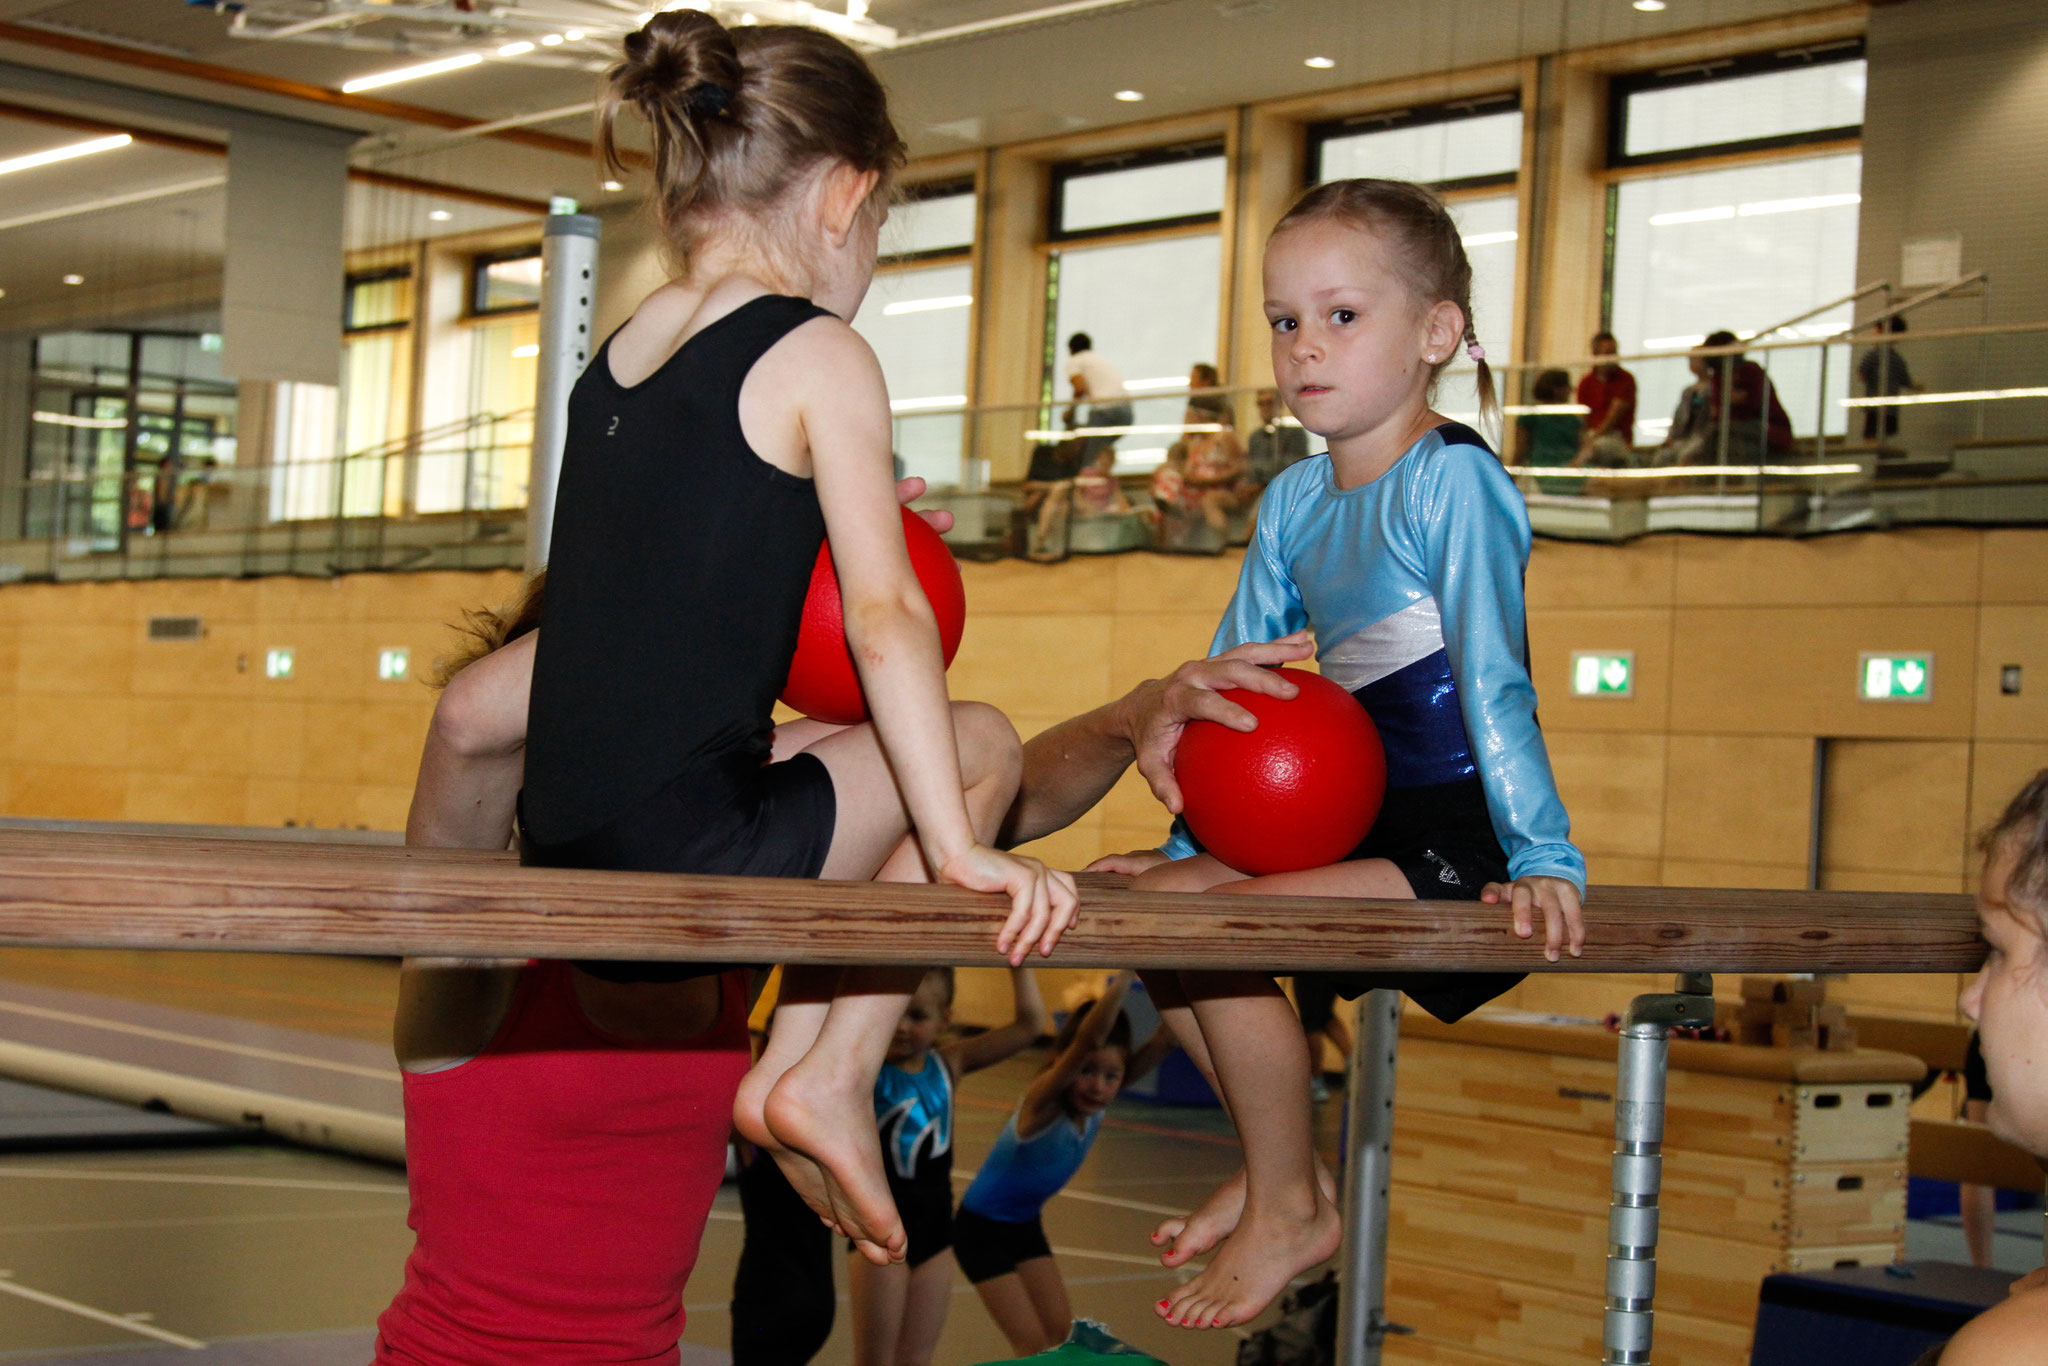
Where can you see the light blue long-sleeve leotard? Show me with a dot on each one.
(1413, 583)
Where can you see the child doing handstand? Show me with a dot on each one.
(718, 437)
(1404, 548)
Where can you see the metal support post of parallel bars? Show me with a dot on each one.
(1639, 1161)
(1369, 1123)
(568, 293)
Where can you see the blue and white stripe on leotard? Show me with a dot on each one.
(1413, 583)
(914, 1111)
(1020, 1175)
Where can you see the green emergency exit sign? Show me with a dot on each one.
(1895, 678)
(1603, 673)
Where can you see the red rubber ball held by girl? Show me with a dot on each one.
(1299, 792)
(823, 683)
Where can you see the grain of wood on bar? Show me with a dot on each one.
(92, 890)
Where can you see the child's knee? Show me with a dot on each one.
(989, 744)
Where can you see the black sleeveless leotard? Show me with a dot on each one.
(676, 581)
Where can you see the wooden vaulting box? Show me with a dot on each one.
(1775, 1159)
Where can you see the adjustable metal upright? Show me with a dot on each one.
(1369, 1122)
(1639, 1161)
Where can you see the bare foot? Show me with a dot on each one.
(801, 1173)
(832, 1122)
(1188, 1236)
(1255, 1265)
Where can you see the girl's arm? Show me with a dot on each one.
(1266, 606)
(842, 405)
(999, 1045)
(471, 767)
(1042, 1099)
(1475, 535)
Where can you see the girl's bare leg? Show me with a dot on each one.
(1015, 1313)
(1041, 1278)
(924, 1311)
(1188, 1236)
(877, 1295)
(822, 1104)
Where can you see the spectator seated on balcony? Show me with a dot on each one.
(1195, 491)
(1608, 394)
(1758, 424)
(1053, 468)
(1550, 438)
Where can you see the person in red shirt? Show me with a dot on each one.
(1608, 394)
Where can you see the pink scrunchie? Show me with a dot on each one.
(1476, 351)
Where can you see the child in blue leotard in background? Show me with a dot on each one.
(899, 1310)
(1404, 548)
(998, 1237)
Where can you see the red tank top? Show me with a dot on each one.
(560, 1183)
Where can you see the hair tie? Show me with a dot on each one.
(1475, 351)
(707, 99)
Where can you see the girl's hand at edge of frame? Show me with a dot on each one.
(1043, 901)
(1556, 897)
(1130, 865)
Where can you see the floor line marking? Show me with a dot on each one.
(85, 1311)
(390, 1074)
(208, 1221)
(1129, 1259)
(199, 1179)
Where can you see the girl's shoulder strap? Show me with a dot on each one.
(1458, 434)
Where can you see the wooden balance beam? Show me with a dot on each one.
(70, 889)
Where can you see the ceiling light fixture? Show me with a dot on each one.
(1320, 63)
(1649, 6)
(74, 279)
(644, 18)
(518, 49)
(1130, 96)
(439, 216)
(551, 40)
(612, 187)
(76, 149)
(574, 35)
(410, 73)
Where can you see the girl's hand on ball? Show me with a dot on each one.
(1130, 865)
(909, 491)
(1558, 900)
(1043, 901)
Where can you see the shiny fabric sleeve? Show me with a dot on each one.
(1474, 531)
(1266, 605)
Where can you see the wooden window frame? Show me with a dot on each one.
(1064, 172)
(1710, 71)
(479, 263)
(1315, 135)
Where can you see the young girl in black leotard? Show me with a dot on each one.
(731, 424)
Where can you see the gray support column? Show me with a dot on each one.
(568, 293)
(1362, 1294)
(15, 432)
(1639, 1162)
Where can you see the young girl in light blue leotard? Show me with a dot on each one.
(998, 1237)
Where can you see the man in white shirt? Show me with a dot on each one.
(1097, 383)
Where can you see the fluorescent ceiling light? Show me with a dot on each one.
(1490, 239)
(98, 424)
(1665, 220)
(918, 405)
(1130, 96)
(522, 352)
(612, 187)
(925, 305)
(1812, 201)
(410, 73)
(74, 279)
(1952, 396)
(551, 40)
(1539, 409)
(518, 49)
(76, 149)
(439, 215)
(1319, 63)
(1169, 382)
(1649, 6)
(574, 35)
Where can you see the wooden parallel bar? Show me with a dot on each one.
(94, 890)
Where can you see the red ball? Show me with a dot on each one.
(823, 684)
(1301, 791)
